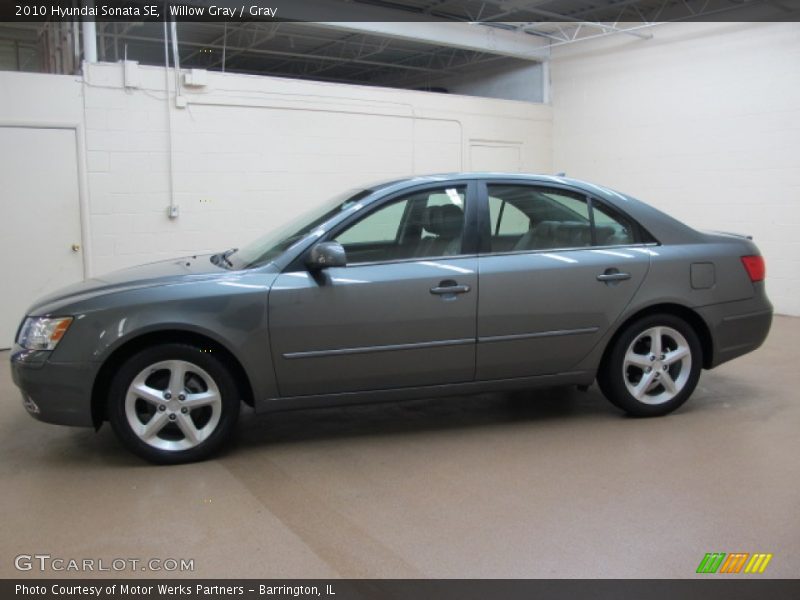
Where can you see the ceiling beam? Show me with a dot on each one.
(466, 36)
(253, 51)
(406, 25)
(606, 27)
(310, 11)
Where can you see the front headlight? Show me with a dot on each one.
(43, 333)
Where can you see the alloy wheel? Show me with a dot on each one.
(657, 365)
(173, 405)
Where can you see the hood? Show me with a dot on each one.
(190, 268)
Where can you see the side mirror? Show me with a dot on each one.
(326, 254)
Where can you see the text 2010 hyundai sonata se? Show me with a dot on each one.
(420, 287)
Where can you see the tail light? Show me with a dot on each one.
(755, 267)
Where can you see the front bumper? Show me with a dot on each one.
(54, 392)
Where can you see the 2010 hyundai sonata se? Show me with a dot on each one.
(421, 287)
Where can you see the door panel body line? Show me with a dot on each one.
(538, 334)
(387, 348)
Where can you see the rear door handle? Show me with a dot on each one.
(613, 275)
(448, 286)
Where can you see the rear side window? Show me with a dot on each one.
(611, 228)
(507, 219)
(524, 217)
(576, 204)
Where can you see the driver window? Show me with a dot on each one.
(380, 226)
(421, 225)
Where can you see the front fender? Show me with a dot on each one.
(231, 311)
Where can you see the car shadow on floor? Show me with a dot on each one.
(408, 417)
(531, 407)
(421, 415)
(542, 406)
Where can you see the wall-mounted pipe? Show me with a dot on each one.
(76, 48)
(176, 59)
(172, 209)
(89, 31)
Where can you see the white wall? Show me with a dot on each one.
(248, 153)
(702, 121)
(39, 98)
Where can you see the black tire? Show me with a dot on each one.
(614, 377)
(214, 422)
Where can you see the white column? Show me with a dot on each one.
(89, 36)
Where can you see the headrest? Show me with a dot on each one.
(562, 234)
(603, 234)
(444, 221)
(545, 228)
(573, 234)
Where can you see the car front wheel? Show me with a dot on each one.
(173, 403)
(653, 366)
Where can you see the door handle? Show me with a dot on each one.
(611, 275)
(448, 286)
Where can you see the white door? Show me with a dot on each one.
(40, 225)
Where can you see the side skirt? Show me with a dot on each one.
(429, 391)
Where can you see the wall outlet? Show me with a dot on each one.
(172, 211)
(196, 78)
(130, 71)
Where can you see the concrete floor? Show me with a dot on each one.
(556, 485)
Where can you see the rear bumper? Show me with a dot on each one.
(53, 392)
(737, 327)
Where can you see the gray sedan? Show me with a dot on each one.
(426, 286)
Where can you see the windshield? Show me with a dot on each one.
(268, 247)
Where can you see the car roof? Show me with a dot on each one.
(466, 176)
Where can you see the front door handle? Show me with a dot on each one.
(448, 286)
(611, 275)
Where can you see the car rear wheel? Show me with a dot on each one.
(173, 403)
(653, 366)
